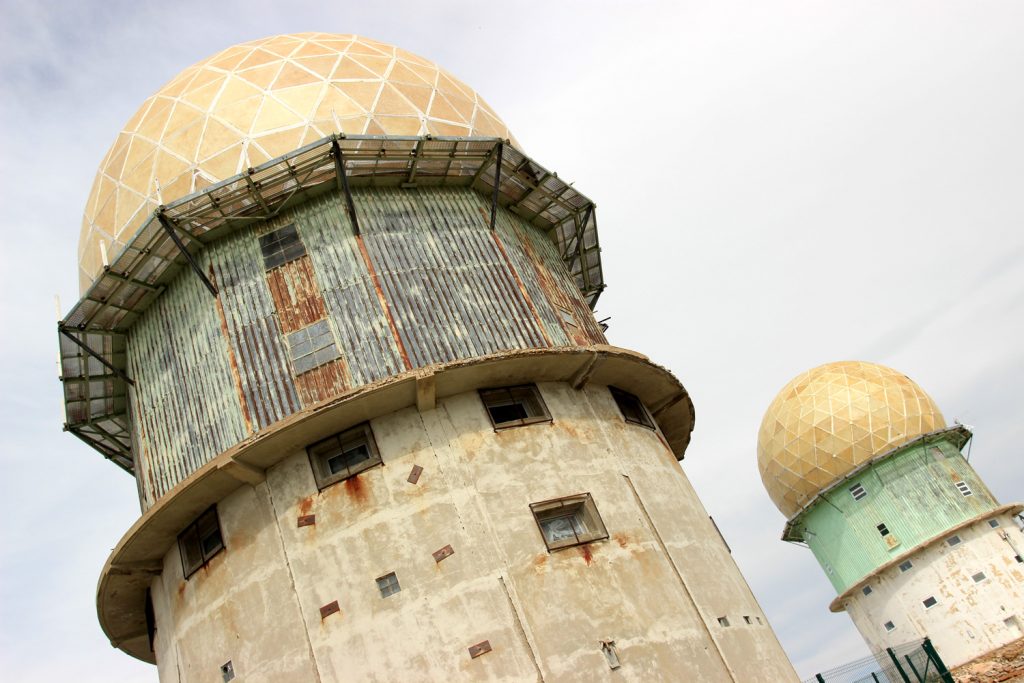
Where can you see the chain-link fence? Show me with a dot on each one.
(914, 662)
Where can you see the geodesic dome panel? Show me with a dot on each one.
(256, 101)
(829, 420)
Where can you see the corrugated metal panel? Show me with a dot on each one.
(451, 294)
(426, 282)
(361, 328)
(188, 409)
(253, 330)
(912, 493)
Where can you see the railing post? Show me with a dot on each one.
(896, 662)
(818, 678)
(940, 666)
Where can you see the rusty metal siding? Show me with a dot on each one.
(558, 285)
(187, 407)
(360, 325)
(427, 281)
(450, 291)
(254, 333)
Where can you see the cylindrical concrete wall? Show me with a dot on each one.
(661, 589)
(975, 578)
(425, 281)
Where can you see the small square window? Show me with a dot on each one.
(723, 621)
(929, 602)
(858, 492)
(994, 523)
(199, 542)
(343, 455)
(882, 529)
(979, 577)
(889, 626)
(964, 488)
(566, 315)
(905, 566)
(866, 590)
(514, 406)
(312, 347)
(953, 540)
(566, 522)
(747, 620)
(631, 408)
(388, 585)
(281, 246)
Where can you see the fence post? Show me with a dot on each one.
(818, 678)
(874, 677)
(899, 667)
(917, 674)
(940, 666)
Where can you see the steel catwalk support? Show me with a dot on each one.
(171, 231)
(85, 347)
(497, 185)
(339, 168)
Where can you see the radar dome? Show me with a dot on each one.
(829, 420)
(256, 101)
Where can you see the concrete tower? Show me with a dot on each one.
(339, 329)
(860, 461)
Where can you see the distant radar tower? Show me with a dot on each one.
(860, 461)
(339, 329)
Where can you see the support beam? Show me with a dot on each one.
(107, 364)
(410, 180)
(426, 392)
(243, 472)
(131, 281)
(171, 229)
(497, 185)
(339, 169)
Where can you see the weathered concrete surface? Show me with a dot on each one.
(1005, 665)
(656, 587)
(970, 618)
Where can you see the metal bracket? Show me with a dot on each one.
(497, 185)
(170, 228)
(85, 347)
(339, 169)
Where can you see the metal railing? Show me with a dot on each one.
(914, 662)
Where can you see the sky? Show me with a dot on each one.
(779, 185)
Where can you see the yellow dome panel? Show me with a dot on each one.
(829, 420)
(256, 101)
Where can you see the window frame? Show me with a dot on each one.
(273, 241)
(993, 523)
(983, 575)
(883, 529)
(491, 398)
(935, 601)
(645, 420)
(889, 627)
(858, 491)
(308, 337)
(953, 541)
(964, 488)
(189, 568)
(580, 506)
(905, 566)
(353, 435)
(385, 582)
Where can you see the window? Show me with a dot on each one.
(312, 346)
(994, 523)
(858, 492)
(929, 602)
(569, 521)
(905, 566)
(866, 590)
(281, 246)
(514, 406)
(200, 541)
(566, 316)
(343, 455)
(889, 626)
(882, 529)
(631, 408)
(723, 621)
(747, 620)
(388, 585)
(964, 489)
(953, 540)
(979, 577)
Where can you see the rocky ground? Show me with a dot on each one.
(1005, 665)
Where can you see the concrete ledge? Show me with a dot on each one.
(121, 592)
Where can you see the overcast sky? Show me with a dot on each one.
(779, 185)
